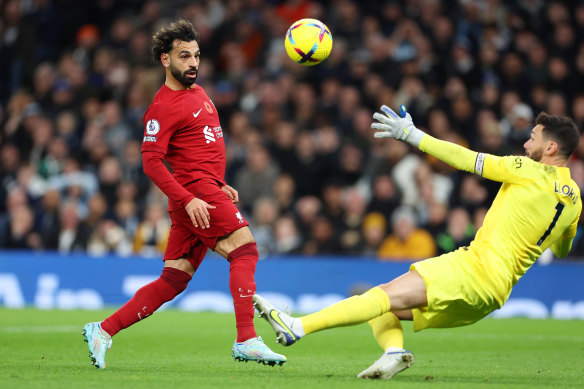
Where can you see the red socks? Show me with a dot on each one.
(242, 264)
(148, 299)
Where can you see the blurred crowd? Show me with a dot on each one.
(76, 78)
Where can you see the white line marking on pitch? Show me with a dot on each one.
(41, 329)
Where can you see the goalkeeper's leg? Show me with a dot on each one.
(405, 292)
(388, 333)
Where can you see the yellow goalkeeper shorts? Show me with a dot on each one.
(457, 289)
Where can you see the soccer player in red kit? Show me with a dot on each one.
(182, 126)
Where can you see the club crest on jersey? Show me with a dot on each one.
(241, 221)
(152, 127)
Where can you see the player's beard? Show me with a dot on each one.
(536, 154)
(182, 77)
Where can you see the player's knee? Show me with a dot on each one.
(247, 250)
(245, 255)
(177, 279)
(235, 240)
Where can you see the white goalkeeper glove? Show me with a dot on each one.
(397, 127)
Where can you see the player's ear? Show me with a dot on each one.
(165, 59)
(551, 148)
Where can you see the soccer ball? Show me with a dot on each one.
(308, 42)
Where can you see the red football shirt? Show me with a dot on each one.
(183, 127)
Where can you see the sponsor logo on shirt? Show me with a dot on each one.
(152, 127)
(218, 132)
(209, 136)
(149, 139)
(212, 134)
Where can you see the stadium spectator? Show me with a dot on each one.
(73, 234)
(126, 215)
(307, 209)
(458, 233)
(265, 212)
(373, 231)
(287, 238)
(385, 196)
(48, 219)
(109, 238)
(520, 118)
(152, 233)
(355, 205)
(21, 234)
(322, 238)
(256, 178)
(407, 241)
(284, 193)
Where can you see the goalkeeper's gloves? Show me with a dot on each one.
(391, 125)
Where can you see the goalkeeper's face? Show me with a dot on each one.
(535, 144)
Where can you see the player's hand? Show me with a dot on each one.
(232, 193)
(400, 127)
(198, 212)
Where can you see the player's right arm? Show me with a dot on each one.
(159, 128)
(390, 125)
(563, 245)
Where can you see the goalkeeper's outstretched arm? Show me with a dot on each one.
(401, 127)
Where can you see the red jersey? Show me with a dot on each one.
(183, 127)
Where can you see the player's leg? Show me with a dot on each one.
(388, 333)
(387, 330)
(147, 299)
(405, 292)
(241, 251)
(173, 280)
(175, 276)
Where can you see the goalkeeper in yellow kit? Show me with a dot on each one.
(537, 207)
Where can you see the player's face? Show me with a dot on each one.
(184, 62)
(535, 144)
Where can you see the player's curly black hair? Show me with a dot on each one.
(162, 41)
(562, 130)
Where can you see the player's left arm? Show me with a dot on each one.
(563, 245)
(232, 193)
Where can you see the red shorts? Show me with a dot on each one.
(186, 241)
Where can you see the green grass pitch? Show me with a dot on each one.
(172, 349)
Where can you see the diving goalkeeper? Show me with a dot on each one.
(537, 207)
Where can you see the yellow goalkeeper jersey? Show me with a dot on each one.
(537, 207)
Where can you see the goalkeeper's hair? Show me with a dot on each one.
(561, 130)
(162, 41)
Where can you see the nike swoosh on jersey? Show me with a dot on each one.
(276, 318)
(198, 112)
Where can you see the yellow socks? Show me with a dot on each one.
(353, 310)
(387, 331)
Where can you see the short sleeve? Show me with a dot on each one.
(160, 122)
